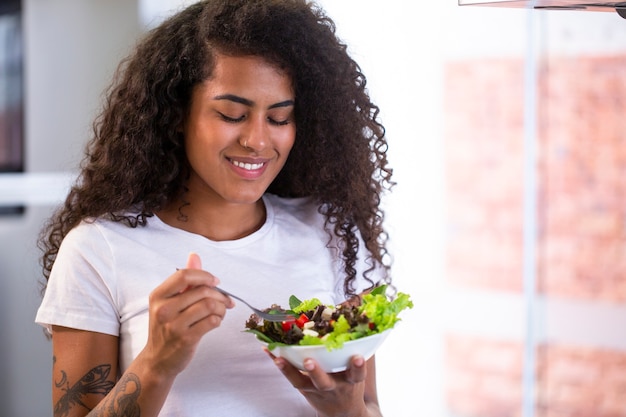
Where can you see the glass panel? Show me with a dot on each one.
(582, 248)
(536, 219)
(11, 96)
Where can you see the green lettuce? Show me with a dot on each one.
(383, 312)
(305, 305)
(380, 310)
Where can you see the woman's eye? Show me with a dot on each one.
(232, 119)
(279, 122)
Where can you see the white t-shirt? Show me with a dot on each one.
(105, 271)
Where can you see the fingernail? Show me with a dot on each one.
(309, 365)
(279, 364)
(359, 361)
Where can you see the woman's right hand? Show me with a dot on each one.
(182, 309)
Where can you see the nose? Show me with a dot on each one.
(255, 135)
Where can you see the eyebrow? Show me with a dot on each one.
(250, 103)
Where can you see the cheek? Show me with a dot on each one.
(206, 139)
(287, 140)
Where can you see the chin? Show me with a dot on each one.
(245, 198)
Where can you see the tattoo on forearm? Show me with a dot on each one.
(122, 400)
(93, 383)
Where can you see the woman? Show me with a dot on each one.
(239, 131)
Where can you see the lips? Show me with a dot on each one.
(249, 168)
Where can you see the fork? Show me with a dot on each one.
(269, 316)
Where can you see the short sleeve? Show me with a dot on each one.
(79, 293)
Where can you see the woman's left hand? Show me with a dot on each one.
(348, 393)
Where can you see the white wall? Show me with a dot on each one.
(72, 49)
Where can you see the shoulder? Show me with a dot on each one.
(96, 233)
(87, 232)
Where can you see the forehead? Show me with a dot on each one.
(249, 72)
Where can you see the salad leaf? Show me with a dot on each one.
(382, 312)
(260, 335)
(306, 305)
(341, 333)
(381, 289)
(294, 302)
(308, 340)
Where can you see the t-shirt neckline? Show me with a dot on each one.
(155, 221)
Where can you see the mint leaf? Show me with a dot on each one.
(294, 302)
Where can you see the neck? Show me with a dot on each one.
(215, 222)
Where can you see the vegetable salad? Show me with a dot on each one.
(317, 324)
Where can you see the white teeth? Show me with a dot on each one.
(247, 166)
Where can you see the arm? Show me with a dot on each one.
(181, 311)
(85, 378)
(370, 395)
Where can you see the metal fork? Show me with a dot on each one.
(269, 316)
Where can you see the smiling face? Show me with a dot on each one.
(239, 130)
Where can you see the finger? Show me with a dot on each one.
(199, 309)
(320, 379)
(206, 295)
(206, 313)
(204, 299)
(356, 371)
(194, 261)
(184, 279)
(188, 332)
(294, 376)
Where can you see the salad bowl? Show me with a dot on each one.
(336, 360)
(331, 335)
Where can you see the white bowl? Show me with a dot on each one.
(336, 360)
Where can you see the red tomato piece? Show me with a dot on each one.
(287, 325)
(301, 320)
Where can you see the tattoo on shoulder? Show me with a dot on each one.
(93, 383)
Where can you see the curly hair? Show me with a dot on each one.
(136, 158)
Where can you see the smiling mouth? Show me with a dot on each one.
(247, 165)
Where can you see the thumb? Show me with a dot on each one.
(193, 261)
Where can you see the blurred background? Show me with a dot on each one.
(507, 133)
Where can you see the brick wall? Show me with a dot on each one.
(582, 215)
(581, 382)
(484, 155)
(583, 137)
(483, 376)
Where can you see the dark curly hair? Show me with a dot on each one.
(136, 161)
